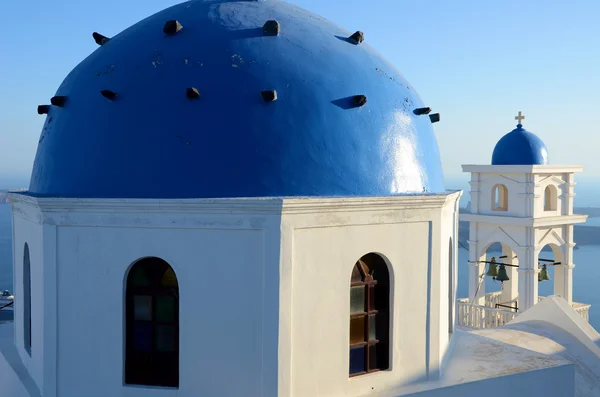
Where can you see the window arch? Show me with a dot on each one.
(26, 299)
(152, 324)
(500, 198)
(550, 198)
(369, 315)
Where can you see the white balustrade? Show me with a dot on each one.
(474, 316)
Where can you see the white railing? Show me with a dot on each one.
(583, 310)
(491, 300)
(474, 316)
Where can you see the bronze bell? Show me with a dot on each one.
(502, 275)
(543, 274)
(493, 269)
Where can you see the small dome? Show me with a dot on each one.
(520, 147)
(206, 99)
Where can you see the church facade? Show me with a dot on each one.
(276, 293)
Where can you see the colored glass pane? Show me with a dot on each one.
(373, 357)
(356, 276)
(139, 277)
(357, 299)
(142, 307)
(372, 327)
(165, 309)
(357, 360)
(165, 338)
(169, 279)
(357, 330)
(142, 337)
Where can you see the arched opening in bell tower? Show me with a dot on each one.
(550, 198)
(549, 262)
(500, 276)
(500, 198)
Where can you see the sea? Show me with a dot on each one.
(585, 275)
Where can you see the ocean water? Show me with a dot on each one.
(585, 275)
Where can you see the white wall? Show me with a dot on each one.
(323, 248)
(516, 185)
(226, 308)
(238, 263)
(27, 229)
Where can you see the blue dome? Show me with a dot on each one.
(153, 141)
(520, 147)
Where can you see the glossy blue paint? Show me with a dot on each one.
(520, 147)
(151, 141)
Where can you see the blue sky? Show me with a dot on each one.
(477, 63)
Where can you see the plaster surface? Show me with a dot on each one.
(151, 141)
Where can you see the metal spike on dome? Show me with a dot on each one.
(171, 27)
(58, 100)
(100, 39)
(269, 96)
(192, 93)
(434, 117)
(43, 109)
(358, 37)
(109, 94)
(359, 100)
(421, 111)
(272, 28)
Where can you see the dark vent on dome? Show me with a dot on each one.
(358, 37)
(359, 100)
(109, 94)
(421, 111)
(192, 93)
(434, 117)
(172, 27)
(269, 96)
(58, 101)
(43, 109)
(100, 39)
(271, 28)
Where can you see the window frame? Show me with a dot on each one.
(134, 374)
(372, 307)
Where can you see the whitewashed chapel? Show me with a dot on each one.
(264, 214)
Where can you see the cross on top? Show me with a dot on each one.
(519, 118)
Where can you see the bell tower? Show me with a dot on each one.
(525, 204)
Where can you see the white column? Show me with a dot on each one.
(528, 277)
(568, 194)
(476, 272)
(474, 193)
(563, 273)
(510, 288)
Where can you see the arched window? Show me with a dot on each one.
(26, 300)
(152, 324)
(550, 198)
(450, 288)
(369, 315)
(500, 198)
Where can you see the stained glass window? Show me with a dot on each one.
(152, 324)
(369, 314)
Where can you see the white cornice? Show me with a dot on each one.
(277, 205)
(523, 169)
(523, 221)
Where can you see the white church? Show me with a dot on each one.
(264, 214)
